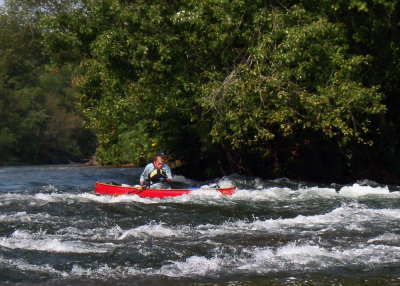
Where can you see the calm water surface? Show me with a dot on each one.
(55, 231)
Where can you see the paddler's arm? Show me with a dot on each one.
(141, 186)
(168, 173)
(144, 175)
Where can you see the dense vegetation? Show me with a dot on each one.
(304, 89)
(38, 121)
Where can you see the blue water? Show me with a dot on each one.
(55, 231)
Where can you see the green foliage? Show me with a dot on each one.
(249, 84)
(298, 76)
(7, 141)
(39, 123)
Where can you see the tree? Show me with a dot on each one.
(39, 123)
(298, 79)
(219, 81)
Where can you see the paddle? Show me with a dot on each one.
(137, 191)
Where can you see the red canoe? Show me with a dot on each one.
(115, 190)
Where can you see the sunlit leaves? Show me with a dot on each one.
(191, 77)
(298, 76)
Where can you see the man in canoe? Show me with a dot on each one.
(156, 175)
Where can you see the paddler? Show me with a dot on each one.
(157, 174)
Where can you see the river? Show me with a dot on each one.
(55, 231)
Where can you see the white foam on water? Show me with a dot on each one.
(285, 258)
(66, 233)
(152, 230)
(33, 200)
(389, 213)
(225, 183)
(51, 197)
(105, 199)
(387, 237)
(260, 260)
(49, 189)
(371, 255)
(201, 196)
(300, 254)
(193, 266)
(350, 217)
(55, 197)
(107, 272)
(305, 257)
(291, 257)
(113, 233)
(270, 194)
(8, 198)
(317, 192)
(103, 271)
(97, 233)
(356, 191)
(25, 266)
(198, 196)
(44, 198)
(27, 218)
(21, 239)
(50, 194)
(259, 257)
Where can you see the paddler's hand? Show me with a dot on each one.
(140, 188)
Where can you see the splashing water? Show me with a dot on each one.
(55, 231)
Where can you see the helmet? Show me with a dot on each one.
(160, 154)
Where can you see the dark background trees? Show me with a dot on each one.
(304, 89)
(38, 118)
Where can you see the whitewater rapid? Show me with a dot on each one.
(268, 231)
